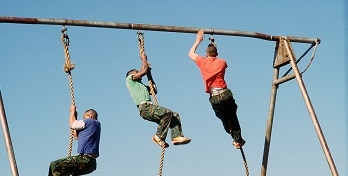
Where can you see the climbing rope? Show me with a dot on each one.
(152, 91)
(245, 162)
(142, 51)
(212, 42)
(242, 152)
(68, 66)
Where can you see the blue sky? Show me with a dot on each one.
(36, 95)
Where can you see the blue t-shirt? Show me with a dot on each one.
(89, 137)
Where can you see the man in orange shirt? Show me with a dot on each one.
(221, 98)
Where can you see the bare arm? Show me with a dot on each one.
(144, 68)
(199, 38)
(73, 118)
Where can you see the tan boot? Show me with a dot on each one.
(181, 140)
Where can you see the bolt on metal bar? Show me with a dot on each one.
(150, 27)
(7, 137)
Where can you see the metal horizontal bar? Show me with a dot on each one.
(138, 26)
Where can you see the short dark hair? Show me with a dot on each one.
(211, 50)
(128, 73)
(93, 113)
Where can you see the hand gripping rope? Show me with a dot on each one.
(212, 41)
(68, 66)
(152, 91)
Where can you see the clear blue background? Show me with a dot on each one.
(36, 93)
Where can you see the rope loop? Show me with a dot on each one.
(68, 66)
(315, 45)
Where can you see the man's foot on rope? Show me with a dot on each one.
(159, 141)
(239, 144)
(181, 140)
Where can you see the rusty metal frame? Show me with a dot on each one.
(150, 27)
(283, 56)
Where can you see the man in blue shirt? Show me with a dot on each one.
(87, 132)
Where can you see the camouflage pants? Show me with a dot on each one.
(165, 118)
(225, 109)
(73, 165)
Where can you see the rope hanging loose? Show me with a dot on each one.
(152, 91)
(315, 45)
(245, 162)
(68, 66)
(312, 57)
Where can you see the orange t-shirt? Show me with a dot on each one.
(213, 72)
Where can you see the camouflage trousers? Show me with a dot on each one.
(165, 118)
(73, 165)
(225, 109)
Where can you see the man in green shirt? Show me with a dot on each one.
(164, 117)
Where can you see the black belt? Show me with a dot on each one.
(89, 155)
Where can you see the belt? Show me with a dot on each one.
(215, 92)
(89, 155)
(144, 102)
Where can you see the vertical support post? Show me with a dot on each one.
(312, 113)
(7, 138)
(270, 122)
(284, 55)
